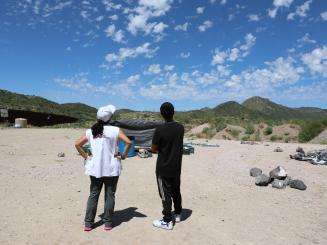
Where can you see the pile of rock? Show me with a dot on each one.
(317, 157)
(278, 178)
(278, 149)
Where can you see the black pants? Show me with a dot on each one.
(110, 184)
(169, 191)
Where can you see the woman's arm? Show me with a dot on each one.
(122, 136)
(79, 146)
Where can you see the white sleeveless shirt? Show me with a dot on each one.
(103, 162)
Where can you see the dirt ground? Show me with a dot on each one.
(43, 197)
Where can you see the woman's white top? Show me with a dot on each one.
(103, 162)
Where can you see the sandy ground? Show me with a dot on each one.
(43, 197)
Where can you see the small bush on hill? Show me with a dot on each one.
(257, 136)
(249, 129)
(246, 138)
(273, 138)
(268, 131)
(235, 133)
(208, 132)
(311, 130)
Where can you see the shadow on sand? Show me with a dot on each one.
(186, 213)
(122, 216)
(127, 214)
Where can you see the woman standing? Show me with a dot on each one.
(104, 165)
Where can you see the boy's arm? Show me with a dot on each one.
(155, 142)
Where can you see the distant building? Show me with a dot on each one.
(34, 118)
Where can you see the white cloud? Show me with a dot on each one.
(200, 10)
(316, 60)
(185, 55)
(133, 79)
(182, 27)
(169, 67)
(80, 82)
(219, 57)
(205, 25)
(278, 4)
(127, 53)
(301, 11)
(223, 2)
(109, 5)
(154, 69)
(306, 39)
(113, 17)
(253, 17)
(235, 54)
(117, 36)
(146, 10)
(159, 28)
(324, 15)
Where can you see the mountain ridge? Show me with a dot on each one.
(253, 108)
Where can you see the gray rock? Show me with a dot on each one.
(278, 149)
(262, 180)
(61, 154)
(254, 172)
(300, 150)
(279, 184)
(298, 184)
(278, 173)
(287, 180)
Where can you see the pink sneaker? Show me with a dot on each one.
(108, 227)
(87, 228)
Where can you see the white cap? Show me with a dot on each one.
(105, 113)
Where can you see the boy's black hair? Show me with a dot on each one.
(167, 110)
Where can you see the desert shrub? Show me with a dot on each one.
(286, 139)
(249, 129)
(235, 133)
(257, 136)
(323, 142)
(287, 133)
(273, 138)
(246, 137)
(268, 131)
(220, 126)
(311, 130)
(208, 132)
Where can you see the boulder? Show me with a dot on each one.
(278, 149)
(279, 184)
(254, 172)
(61, 154)
(298, 184)
(262, 180)
(300, 150)
(287, 180)
(278, 173)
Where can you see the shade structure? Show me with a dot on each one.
(141, 130)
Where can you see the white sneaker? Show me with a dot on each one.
(162, 224)
(178, 218)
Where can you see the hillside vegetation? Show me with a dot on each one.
(249, 115)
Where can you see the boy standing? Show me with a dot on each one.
(168, 142)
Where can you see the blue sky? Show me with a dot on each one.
(138, 54)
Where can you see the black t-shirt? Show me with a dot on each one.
(169, 139)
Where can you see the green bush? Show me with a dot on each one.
(249, 129)
(273, 138)
(208, 132)
(257, 136)
(246, 137)
(268, 131)
(311, 130)
(235, 133)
